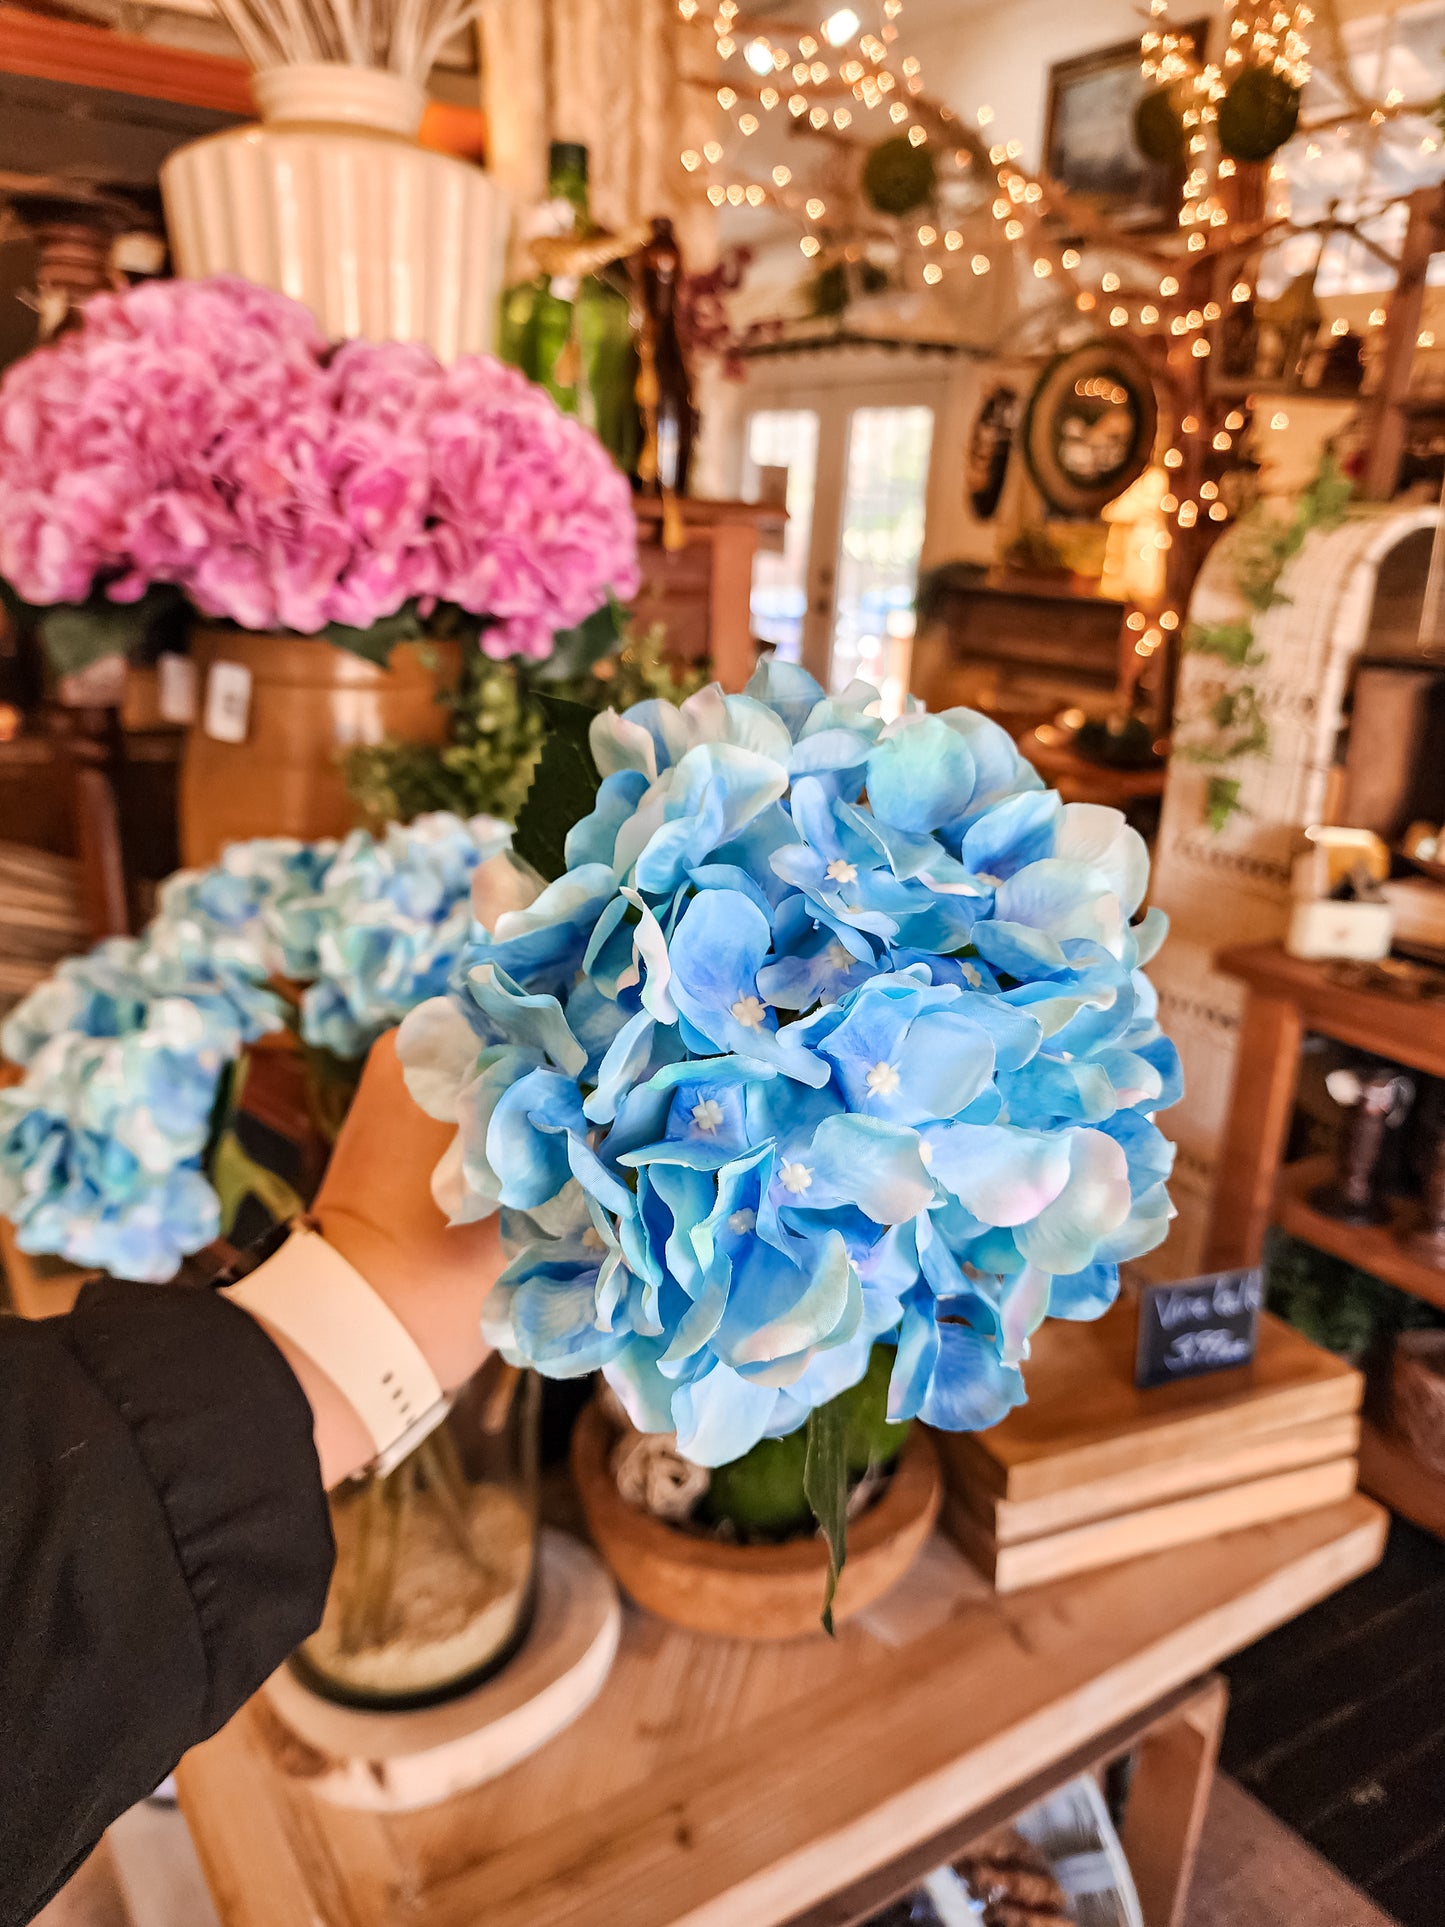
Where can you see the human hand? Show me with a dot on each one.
(375, 1207)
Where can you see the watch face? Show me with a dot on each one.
(989, 443)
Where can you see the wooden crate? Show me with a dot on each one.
(1093, 1470)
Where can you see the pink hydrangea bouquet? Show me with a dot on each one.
(201, 439)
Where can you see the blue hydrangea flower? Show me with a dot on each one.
(101, 1145)
(833, 1031)
(385, 925)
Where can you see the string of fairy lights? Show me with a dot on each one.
(849, 83)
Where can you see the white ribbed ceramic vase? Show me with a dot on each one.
(332, 201)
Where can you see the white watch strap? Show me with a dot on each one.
(312, 1296)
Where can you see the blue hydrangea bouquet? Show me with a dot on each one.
(108, 1141)
(801, 1035)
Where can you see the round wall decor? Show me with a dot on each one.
(1089, 426)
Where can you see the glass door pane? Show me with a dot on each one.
(783, 438)
(879, 543)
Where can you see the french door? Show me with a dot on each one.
(839, 596)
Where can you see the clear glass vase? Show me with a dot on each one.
(435, 1575)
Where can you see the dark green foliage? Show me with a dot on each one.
(376, 643)
(485, 768)
(899, 177)
(76, 634)
(1338, 1306)
(825, 1480)
(1258, 114)
(1159, 129)
(564, 787)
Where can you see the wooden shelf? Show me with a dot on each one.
(1390, 1472)
(714, 1781)
(1375, 1248)
(1410, 1030)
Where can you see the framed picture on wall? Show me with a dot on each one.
(1089, 145)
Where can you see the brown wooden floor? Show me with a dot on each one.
(1337, 1724)
(1253, 1871)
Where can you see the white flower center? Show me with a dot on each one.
(842, 871)
(750, 1011)
(993, 882)
(742, 1222)
(840, 956)
(796, 1178)
(971, 974)
(883, 1079)
(708, 1114)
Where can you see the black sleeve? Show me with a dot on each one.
(164, 1544)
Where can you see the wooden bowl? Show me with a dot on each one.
(753, 1592)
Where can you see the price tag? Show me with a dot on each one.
(176, 688)
(228, 702)
(1208, 1324)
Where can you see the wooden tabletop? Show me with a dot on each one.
(718, 1783)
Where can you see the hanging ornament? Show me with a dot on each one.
(1258, 114)
(1159, 132)
(899, 177)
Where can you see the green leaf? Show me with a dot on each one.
(76, 634)
(1221, 801)
(825, 1480)
(1232, 642)
(576, 652)
(236, 1176)
(376, 643)
(564, 788)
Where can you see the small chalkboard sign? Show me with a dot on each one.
(1208, 1324)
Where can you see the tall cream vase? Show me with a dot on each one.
(331, 200)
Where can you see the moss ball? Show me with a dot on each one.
(1159, 129)
(828, 295)
(1258, 114)
(762, 1492)
(898, 177)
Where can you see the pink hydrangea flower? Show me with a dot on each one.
(202, 433)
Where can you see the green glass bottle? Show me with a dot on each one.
(573, 333)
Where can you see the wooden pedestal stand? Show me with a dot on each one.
(393, 1762)
(1255, 1188)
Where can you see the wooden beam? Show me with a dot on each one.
(86, 56)
(1390, 424)
(81, 56)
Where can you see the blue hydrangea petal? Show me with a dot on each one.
(1000, 1174)
(1084, 1294)
(971, 1387)
(916, 773)
(787, 689)
(864, 1161)
(1095, 1202)
(594, 838)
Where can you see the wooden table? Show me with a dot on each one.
(723, 1784)
(1289, 996)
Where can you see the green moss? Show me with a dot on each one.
(761, 1495)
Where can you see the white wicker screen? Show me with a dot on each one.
(1232, 886)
